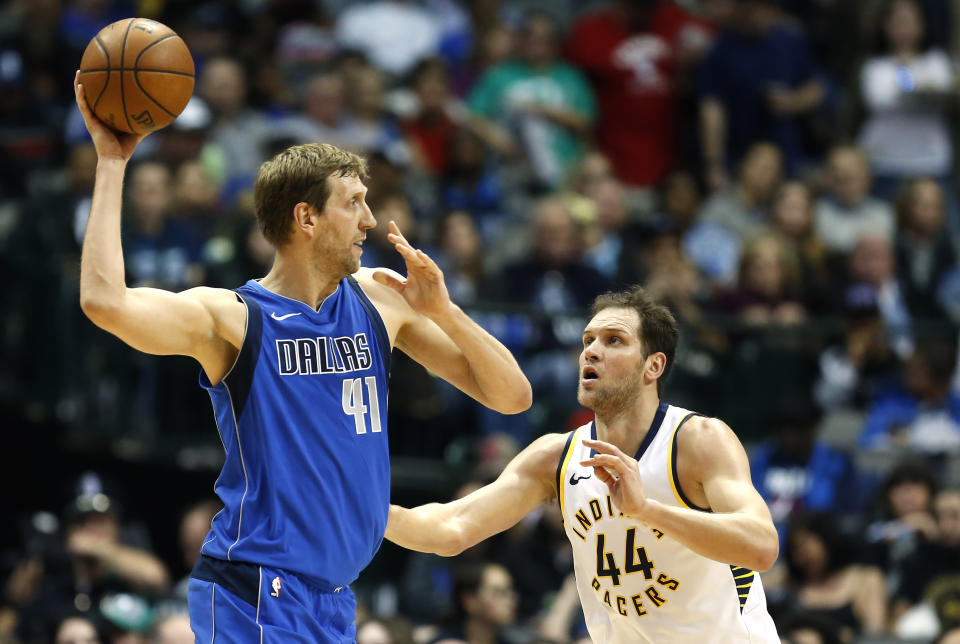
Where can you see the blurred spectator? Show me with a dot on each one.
(745, 208)
(161, 251)
(78, 629)
(460, 255)
(379, 631)
(553, 278)
(324, 116)
(238, 130)
(925, 256)
(931, 574)
(905, 88)
(537, 99)
(862, 364)
(826, 582)
(193, 531)
(872, 266)
(539, 558)
(485, 604)
(371, 127)
(431, 124)
(635, 54)
(305, 41)
(94, 567)
(923, 415)
(172, 629)
(731, 216)
(756, 84)
(848, 212)
(393, 34)
(906, 518)
(768, 286)
(604, 247)
(793, 219)
(471, 184)
(797, 472)
(803, 628)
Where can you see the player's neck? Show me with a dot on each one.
(294, 278)
(629, 427)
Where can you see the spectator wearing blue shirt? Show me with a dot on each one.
(757, 81)
(924, 414)
(797, 472)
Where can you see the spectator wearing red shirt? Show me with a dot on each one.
(633, 52)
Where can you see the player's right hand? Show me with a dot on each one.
(109, 143)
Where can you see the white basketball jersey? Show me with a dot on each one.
(637, 584)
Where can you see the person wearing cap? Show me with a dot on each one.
(93, 567)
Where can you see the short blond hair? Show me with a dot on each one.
(299, 174)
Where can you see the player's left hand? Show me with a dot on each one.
(424, 288)
(626, 487)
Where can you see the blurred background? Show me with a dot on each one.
(780, 173)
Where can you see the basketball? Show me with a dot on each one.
(137, 75)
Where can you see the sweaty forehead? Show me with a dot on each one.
(620, 319)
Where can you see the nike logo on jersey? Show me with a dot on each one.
(282, 317)
(574, 479)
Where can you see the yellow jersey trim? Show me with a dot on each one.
(564, 460)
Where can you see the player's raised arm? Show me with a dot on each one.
(738, 530)
(448, 529)
(150, 320)
(446, 341)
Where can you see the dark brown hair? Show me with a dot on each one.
(658, 331)
(299, 174)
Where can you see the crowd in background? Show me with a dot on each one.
(780, 173)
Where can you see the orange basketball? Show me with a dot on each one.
(137, 75)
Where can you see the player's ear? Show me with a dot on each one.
(305, 218)
(656, 364)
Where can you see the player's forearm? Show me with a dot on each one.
(734, 538)
(102, 278)
(498, 377)
(424, 529)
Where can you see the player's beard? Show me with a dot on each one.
(611, 398)
(336, 260)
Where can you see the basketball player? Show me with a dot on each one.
(666, 527)
(296, 364)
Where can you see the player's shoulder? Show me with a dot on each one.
(543, 455)
(215, 300)
(703, 438)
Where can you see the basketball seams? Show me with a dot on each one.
(136, 77)
(103, 90)
(123, 60)
(138, 69)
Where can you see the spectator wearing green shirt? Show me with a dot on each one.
(536, 105)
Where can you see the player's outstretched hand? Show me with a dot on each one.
(626, 487)
(109, 143)
(424, 288)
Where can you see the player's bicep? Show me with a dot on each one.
(725, 471)
(161, 322)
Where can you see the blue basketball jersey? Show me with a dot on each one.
(303, 420)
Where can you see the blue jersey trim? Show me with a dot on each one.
(383, 339)
(240, 378)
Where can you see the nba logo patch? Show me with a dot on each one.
(275, 584)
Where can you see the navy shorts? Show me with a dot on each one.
(241, 602)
